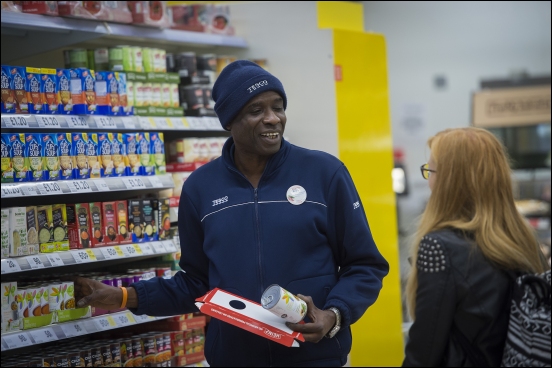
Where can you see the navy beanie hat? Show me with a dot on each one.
(237, 84)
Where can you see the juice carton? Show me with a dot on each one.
(125, 105)
(82, 212)
(122, 223)
(143, 151)
(49, 92)
(45, 229)
(63, 82)
(96, 225)
(50, 156)
(32, 230)
(19, 78)
(34, 89)
(8, 95)
(104, 155)
(118, 154)
(132, 163)
(82, 91)
(65, 154)
(81, 169)
(157, 152)
(33, 156)
(18, 232)
(110, 222)
(94, 162)
(59, 218)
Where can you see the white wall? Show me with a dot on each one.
(463, 41)
(300, 55)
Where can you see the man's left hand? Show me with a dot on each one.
(322, 321)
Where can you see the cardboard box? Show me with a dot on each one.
(141, 219)
(132, 162)
(45, 231)
(33, 156)
(50, 156)
(123, 235)
(49, 92)
(157, 152)
(85, 230)
(252, 317)
(72, 227)
(63, 82)
(79, 145)
(65, 154)
(107, 93)
(83, 94)
(143, 152)
(150, 13)
(109, 211)
(14, 167)
(96, 225)
(32, 230)
(5, 232)
(126, 97)
(104, 155)
(59, 218)
(19, 80)
(8, 94)
(41, 7)
(34, 90)
(94, 161)
(18, 232)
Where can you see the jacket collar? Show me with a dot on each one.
(272, 165)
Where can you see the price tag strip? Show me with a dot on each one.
(73, 329)
(49, 188)
(10, 265)
(30, 190)
(35, 262)
(43, 335)
(82, 256)
(119, 251)
(180, 123)
(79, 186)
(146, 248)
(162, 123)
(77, 122)
(128, 122)
(47, 121)
(17, 340)
(134, 183)
(145, 123)
(158, 247)
(55, 259)
(155, 182)
(105, 122)
(169, 245)
(101, 185)
(122, 320)
(11, 191)
(109, 252)
(105, 323)
(16, 122)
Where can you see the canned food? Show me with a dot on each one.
(60, 360)
(283, 304)
(149, 350)
(105, 349)
(96, 356)
(74, 359)
(137, 351)
(86, 357)
(115, 353)
(160, 346)
(126, 353)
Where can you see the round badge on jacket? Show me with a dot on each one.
(296, 195)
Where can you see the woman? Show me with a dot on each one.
(470, 236)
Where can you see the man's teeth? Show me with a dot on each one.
(270, 135)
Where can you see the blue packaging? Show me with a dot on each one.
(50, 155)
(79, 142)
(65, 102)
(126, 108)
(92, 155)
(49, 91)
(104, 155)
(33, 156)
(133, 159)
(19, 80)
(65, 154)
(8, 95)
(34, 90)
(118, 154)
(83, 93)
(143, 151)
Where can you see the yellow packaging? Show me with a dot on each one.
(45, 229)
(32, 232)
(59, 231)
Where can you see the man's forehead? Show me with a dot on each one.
(271, 96)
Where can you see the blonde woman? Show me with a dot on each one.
(469, 238)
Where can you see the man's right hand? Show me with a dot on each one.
(96, 294)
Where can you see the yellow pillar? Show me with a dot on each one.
(365, 146)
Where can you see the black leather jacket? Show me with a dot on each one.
(458, 291)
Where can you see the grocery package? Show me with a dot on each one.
(202, 18)
(114, 11)
(83, 94)
(8, 94)
(13, 6)
(14, 168)
(41, 7)
(150, 13)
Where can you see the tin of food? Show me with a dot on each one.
(283, 304)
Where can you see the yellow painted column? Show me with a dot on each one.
(365, 146)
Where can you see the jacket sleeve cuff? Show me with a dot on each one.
(142, 295)
(343, 309)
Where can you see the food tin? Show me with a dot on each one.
(283, 304)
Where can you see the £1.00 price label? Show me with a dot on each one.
(134, 183)
(105, 122)
(10, 265)
(47, 121)
(35, 262)
(18, 340)
(169, 245)
(73, 329)
(41, 336)
(11, 191)
(49, 188)
(77, 122)
(79, 186)
(16, 122)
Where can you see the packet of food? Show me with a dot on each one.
(33, 156)
(50, 157)
(96, 225)
(18, 232)
(64, 100)
(59, 218)
(79, 145)
(65, 154)
(32, 230)
(45, 229)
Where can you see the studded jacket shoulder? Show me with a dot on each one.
(459, 291)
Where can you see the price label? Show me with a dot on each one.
(109, 253)
(29, 190)
(158, 247)
(145, 123)
(122, 320)
(77, 122)
(49, 188)
(128, 122)
(79, 186)
(134, 183)
(73, 329)
(47, 121)
(130, 317)
(119, 251)
(180, 123)
(91, 255)
(128, 250)
(162, 123)
(55, 260)
(169, 245)
(11, 191)
(212, 123)
(105, 122)
(156, 182)
(105, 323)
(101, 185)
(146, 248)
(81, 256)
(142, 318)
(35, 262)
(195, 123)
(137, 249)
(17, 340)
(43, 335)
(10, 265)
(16, 122)
(111, 321)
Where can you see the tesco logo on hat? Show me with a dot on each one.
(257, 85)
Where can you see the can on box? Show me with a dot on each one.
(49, 91)
(283, 304)
(8, 95)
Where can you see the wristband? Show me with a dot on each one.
(125, 296)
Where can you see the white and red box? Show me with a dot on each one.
(247, 315)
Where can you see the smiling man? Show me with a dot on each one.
(266, 212)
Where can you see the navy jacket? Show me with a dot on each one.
(243, 239)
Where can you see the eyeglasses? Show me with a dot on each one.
(426, 171)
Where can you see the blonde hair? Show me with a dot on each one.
(473, 193)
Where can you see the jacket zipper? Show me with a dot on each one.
(258, 223)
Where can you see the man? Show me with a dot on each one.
(265, 212)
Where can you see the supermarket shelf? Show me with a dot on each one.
(102, 122)
(61, 187)
(90, 255)
(43, 33)
(81, 327)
